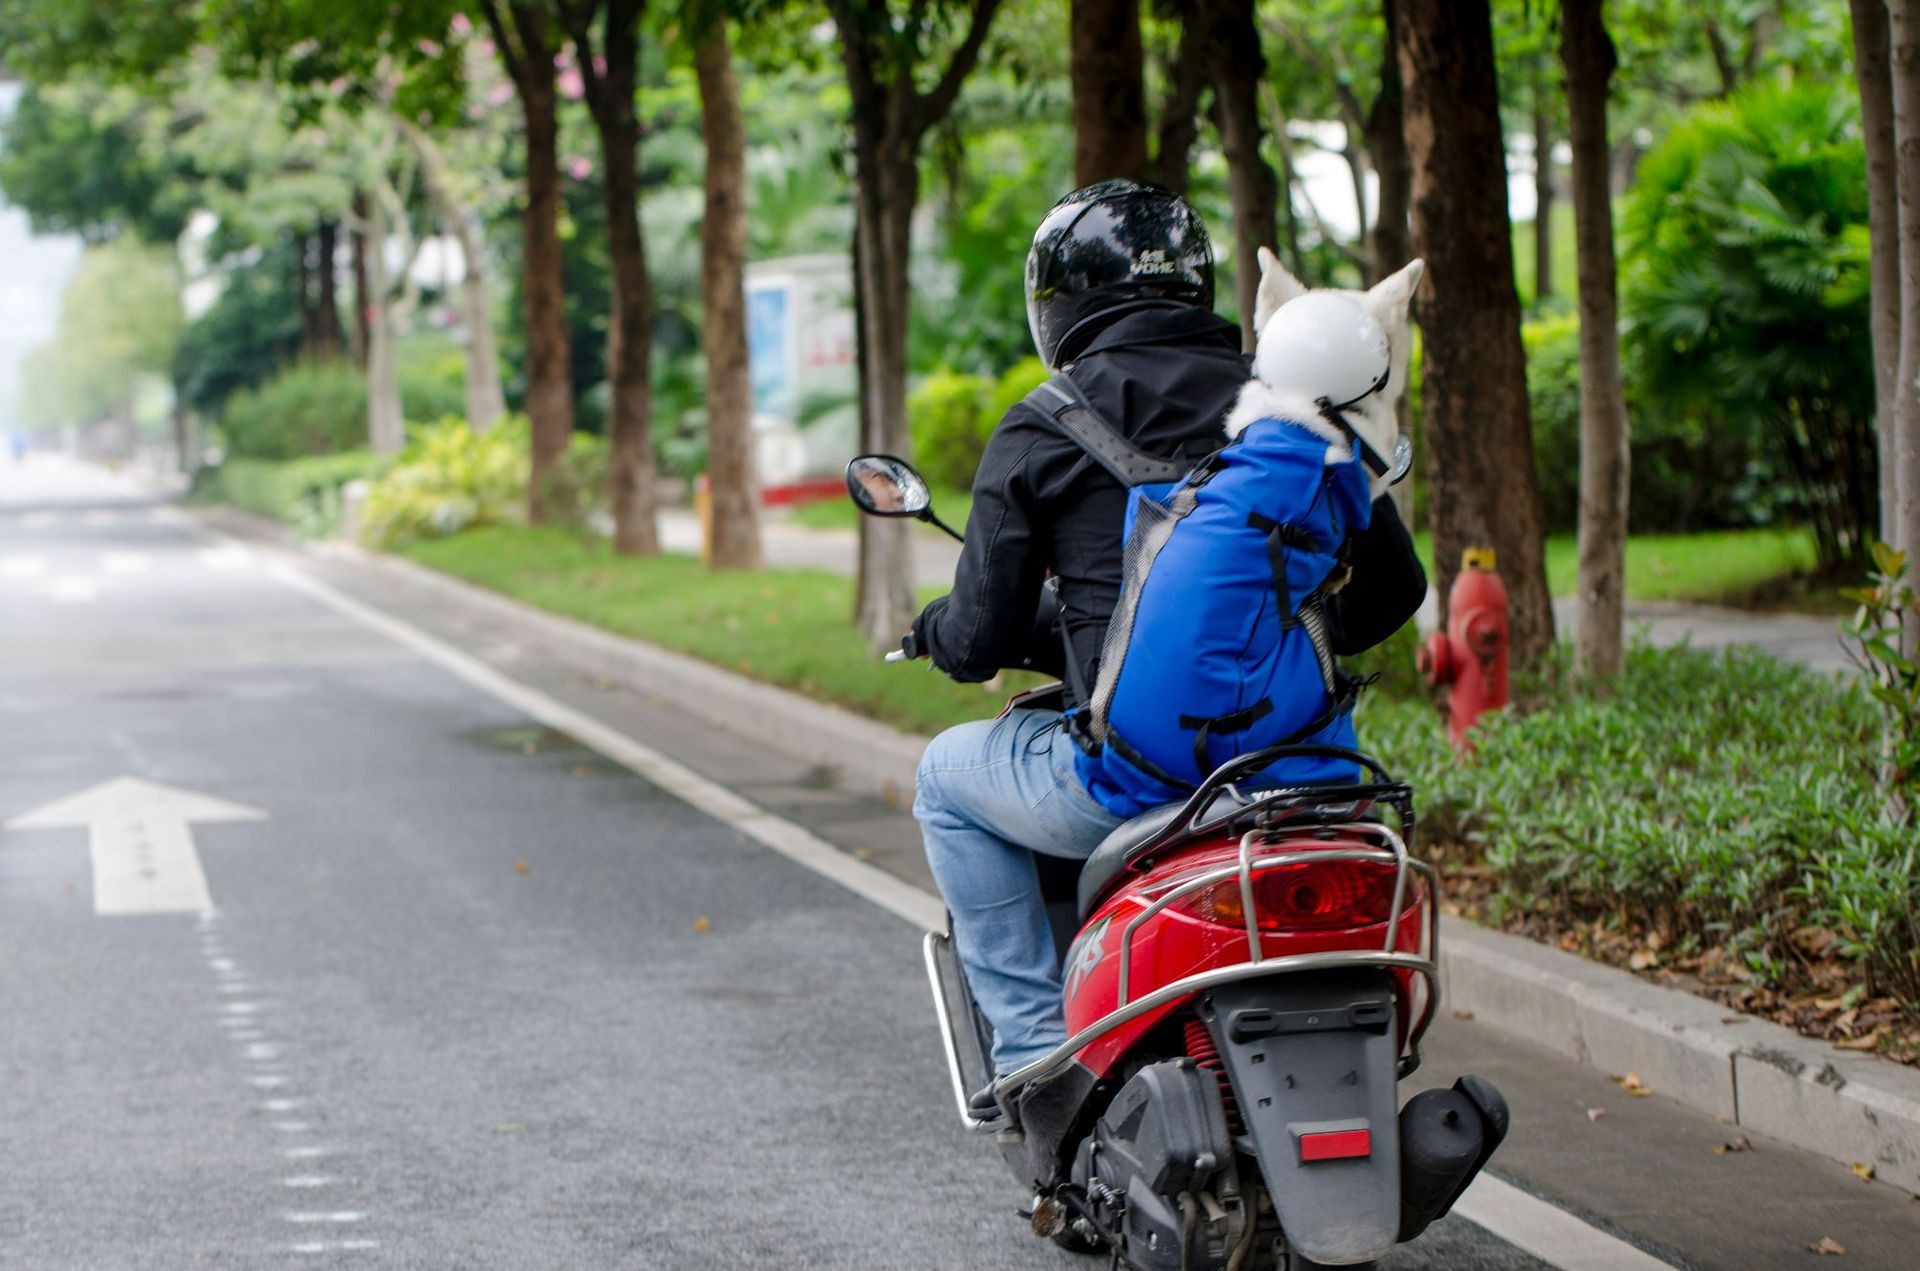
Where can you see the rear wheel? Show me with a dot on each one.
(1295, 1262)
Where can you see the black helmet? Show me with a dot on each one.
(1115, 245)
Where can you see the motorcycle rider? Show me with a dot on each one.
(1120, 288)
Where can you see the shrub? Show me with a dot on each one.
(1744, 288)
(449, 480)
(314, 409)
(304, 493)
(433, 377)
(1725, 799)
(950, 426)
(1014, 383)
(1686, 474)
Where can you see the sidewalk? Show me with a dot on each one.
(1810, 640)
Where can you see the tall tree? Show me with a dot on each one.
(1874, 73)
(1586, 50)
(1483, 490)
(1904, 59)
(1186, 76)
(610, 74)
(735, 486)
(460, 221)
(1387, 145)
(1240, 67)
(884, 51)
(1109, 94)
(525, 40)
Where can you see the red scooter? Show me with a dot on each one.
(1248, 975)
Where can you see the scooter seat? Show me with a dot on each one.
(1118, 849)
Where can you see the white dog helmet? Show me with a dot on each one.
(1327, 348)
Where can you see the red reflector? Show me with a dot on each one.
(1337, 1145)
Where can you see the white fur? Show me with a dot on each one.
(1389, 301)
(1258, 402)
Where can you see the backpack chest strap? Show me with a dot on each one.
(1060, 400)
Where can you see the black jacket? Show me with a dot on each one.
(1166, 378)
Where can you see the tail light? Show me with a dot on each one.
(1304, 896)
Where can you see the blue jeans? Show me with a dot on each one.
(988, 794)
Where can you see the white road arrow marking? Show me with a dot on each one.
(138, 832)
(23, 566)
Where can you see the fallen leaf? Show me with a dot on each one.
(69, 889)
(1594, 1114)
(1741, 1144)
(583, 770)
(702, 924)
(1632, 1084)
(520, 866)
(1866, 1041)
(1863, 1171)
(1827, 1247)
(1643, 959)
(1463, 1014)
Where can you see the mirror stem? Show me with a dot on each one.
(952, 533)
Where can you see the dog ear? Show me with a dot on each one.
(1277, 286)
(1391, 297)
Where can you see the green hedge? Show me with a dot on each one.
(304, 493)
(1720, 799)
(313, 409)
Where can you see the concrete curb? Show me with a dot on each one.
(1747, 1071)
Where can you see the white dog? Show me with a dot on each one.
(1372, 417)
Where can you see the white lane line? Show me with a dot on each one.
(1551, 1234)
(23, 566)
(231, 556)
(1547, 1232)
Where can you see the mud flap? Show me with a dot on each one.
(1312, 1061)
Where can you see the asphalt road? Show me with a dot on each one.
(470, 994)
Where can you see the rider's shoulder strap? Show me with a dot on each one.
(1061, 401)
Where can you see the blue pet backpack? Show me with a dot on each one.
(1218, 646)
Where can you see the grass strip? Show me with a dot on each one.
(786, 627)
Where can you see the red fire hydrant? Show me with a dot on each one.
(1471, 655)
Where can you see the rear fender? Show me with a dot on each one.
(1312, 1061)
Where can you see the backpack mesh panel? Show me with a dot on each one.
(1153, 523)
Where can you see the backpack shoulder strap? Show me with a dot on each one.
(1060, 400)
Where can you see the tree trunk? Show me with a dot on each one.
(1240, 67)
(1483, 490)
(1542, 191)
(328, 300)
(735, 488)
(730, 473)
(486, 403)
(1387, 143)
(386, 422)
(549, 399)
(486, 400)
(630, 476)
(886, 195)
(1109, 99)
(1180, 114)
(1874, 71)
(1904, 48)
(1392, 248)
(303, 293)
(357, 333)
(1588, 54)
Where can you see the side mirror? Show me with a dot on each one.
(887, 485)
(882, 485)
